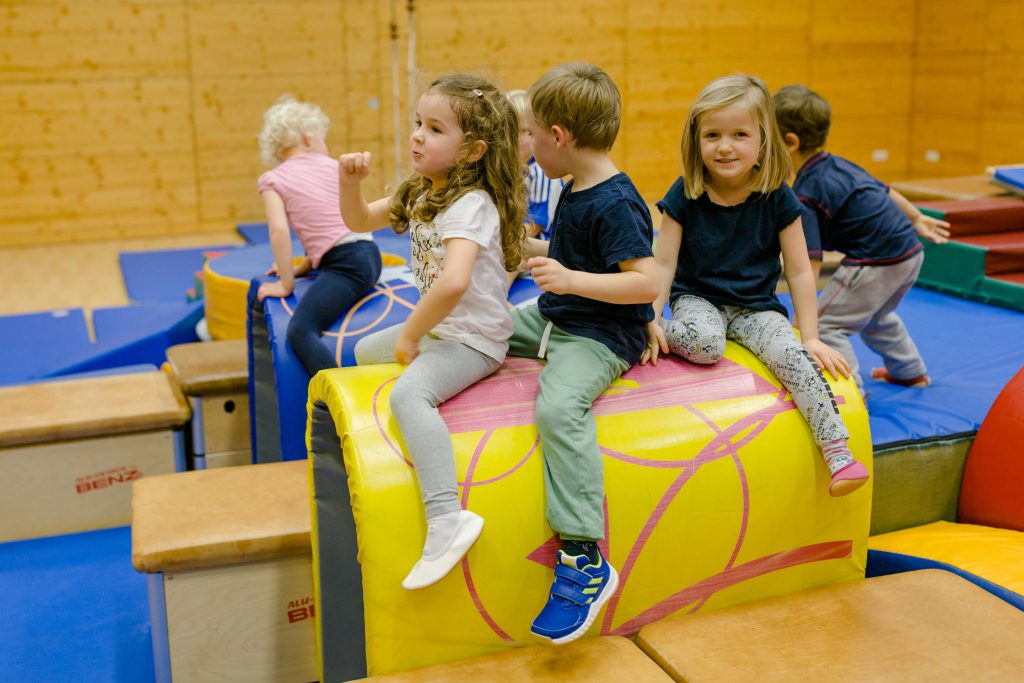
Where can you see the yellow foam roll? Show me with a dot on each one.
(715, 495)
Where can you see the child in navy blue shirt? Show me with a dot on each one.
(724, 224)
(876, 228)
(598, 277)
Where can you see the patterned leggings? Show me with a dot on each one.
(698, 330)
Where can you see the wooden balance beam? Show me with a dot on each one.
(231, 581)
(916, 626)
(70, 449)
(214, 376)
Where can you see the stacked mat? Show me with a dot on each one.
(984, 259)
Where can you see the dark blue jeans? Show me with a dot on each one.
(346, 273)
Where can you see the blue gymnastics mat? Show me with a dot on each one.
(387, 240)
(278, 383)
(163, 275)
(34, 344)
(971, 349)
(56, 343)
(74, 610)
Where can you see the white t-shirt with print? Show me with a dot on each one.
(481, 319)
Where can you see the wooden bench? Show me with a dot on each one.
(231, 585)
(69, 450)
(608, 659)
(924, 625)
(214, 376)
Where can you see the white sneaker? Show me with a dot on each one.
(429, 571)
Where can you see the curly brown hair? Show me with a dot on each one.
(489, 117)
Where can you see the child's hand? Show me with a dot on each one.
(932, 229)
(272, 270)
(655, 342)
(550, 275)
(305, 265)
(353, 167)
(272, 289)
(828, 358)
(406, 349)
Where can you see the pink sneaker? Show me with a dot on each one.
(882, 375)
(848, 479)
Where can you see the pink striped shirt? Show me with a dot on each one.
(308, 184)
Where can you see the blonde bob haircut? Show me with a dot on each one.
(581, 98)
(285, 123)
(773, 165)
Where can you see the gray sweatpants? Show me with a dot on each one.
(863, 300)
(442, 370)
(698, 330)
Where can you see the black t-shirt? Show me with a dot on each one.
(729, 255)
(848, 210)
(594, 230)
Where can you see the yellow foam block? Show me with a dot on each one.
(993, 554)
(715, 495)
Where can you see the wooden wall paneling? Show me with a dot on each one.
(95, 117)
(1004, 26)
(950, 27)
(1003, 97)
(1001, 142)
(857, 137)
(91, 40)
(839, 22)
(454, 34)
(248, 38)
(948, 84)
(82, 197)
(957, 139)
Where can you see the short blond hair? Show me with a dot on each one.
(581, 98)
(285, 123)
(773, 164)
(520, 101)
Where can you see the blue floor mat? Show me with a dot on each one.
(74, 609)
(165, 275)
(36, 343)
(971, 350)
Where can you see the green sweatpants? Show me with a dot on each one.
(577, 371)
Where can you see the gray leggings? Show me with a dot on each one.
(442, 370)
(698, 331)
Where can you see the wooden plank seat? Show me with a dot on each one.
(231, 586)
(607, 658)
(957, 188)
(70, 449)
(923, 625)
(214, 376)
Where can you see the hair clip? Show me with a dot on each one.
(478, 92)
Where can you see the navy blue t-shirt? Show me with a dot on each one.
(847, 210)
(730, 254)
(594, 230)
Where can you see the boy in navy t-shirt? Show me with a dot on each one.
(876, 229)
(599, 278)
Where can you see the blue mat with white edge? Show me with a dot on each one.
(74, 610)
(37, 343)
(57, 344)
(164, 275)
(971, 350)
(1012, 178)
(278, 382)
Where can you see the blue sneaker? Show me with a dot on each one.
(577, 596)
